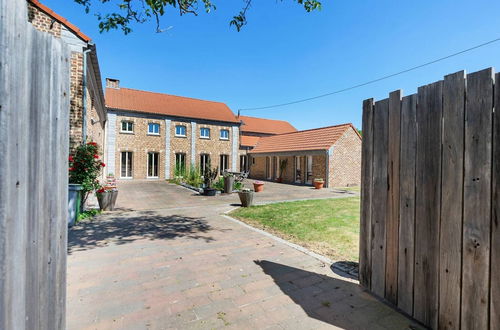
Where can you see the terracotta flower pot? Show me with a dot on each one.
(258, 186)
(318, 184)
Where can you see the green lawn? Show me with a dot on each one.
(329, 226)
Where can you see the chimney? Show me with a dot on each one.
(112, 83)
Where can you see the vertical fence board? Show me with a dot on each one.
(379, 198)
(427, 207)
(392, 225)
(407, 203)
(495, 221)
(450, 268)
(477, 200)
(34, 72)
(366, 193)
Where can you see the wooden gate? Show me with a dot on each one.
(34, 121)
(430, 236)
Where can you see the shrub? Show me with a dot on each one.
(85, 166)
(194, 177)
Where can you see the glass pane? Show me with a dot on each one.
(124, 164)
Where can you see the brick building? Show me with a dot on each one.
(153, 135)
(252, 129)
(331, 153)
(87, 109)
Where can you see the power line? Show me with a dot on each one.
(374, 80)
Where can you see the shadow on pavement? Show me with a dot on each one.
(334, 301)
(123, 229)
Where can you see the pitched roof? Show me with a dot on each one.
(165, 104)
(313, 139)
(249, 141)
(267, 126)
(61, 20)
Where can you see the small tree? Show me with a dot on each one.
(209, 176)
(85, 167)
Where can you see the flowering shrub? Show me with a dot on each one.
(85, 167)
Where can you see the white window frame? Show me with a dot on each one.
(226, 131)
(153, 125)
(127, 131)
(185, 130)
(128, 160)
(223, 163)
(180, 155)
(204, 162)
(243, 163)
(204, 129)
(157, 156)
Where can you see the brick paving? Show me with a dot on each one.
(187, 267)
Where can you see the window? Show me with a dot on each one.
(205, 133)
(127, 126)
(153, 164)
(180, 164)
(268, 168)
(126, 164)
(154, 129)
(223, 164)
(204, 163)
(224, 134)
(180, 130)
(243, 163)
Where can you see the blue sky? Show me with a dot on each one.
(285, 54)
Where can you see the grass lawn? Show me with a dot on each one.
(329, 226)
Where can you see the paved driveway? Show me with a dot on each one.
(188, 267)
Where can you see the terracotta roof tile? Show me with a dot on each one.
(267, 126)
(61, 20)
(313, 139)
(165, 104)
(249, 141)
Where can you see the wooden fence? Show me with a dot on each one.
(34, 125)
(430, 235)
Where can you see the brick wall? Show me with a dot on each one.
(140, 143)
(179, 144)
(95, 124)
(345, 164)
(42, 21)
(214, 146)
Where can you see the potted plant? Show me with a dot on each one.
(209, 177)
(228, 182)
(106, 196)
(246, 197)
(258, 186)
(283, 164)
(318, 183)
(84, 168)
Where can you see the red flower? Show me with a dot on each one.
(102, 164)
(96, 156)
(100, 191)
(71, 169)
(92, 144)
(70, 158)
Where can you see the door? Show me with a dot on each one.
(126, 165)
(298, 170)
(309, 169)
(153, 159)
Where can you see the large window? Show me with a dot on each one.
(126, 164)
(224, 134)
(180, 164)
(154, 129)
(127, 127)
(204, 163)
(153, 160)
(223, 164)
(243, 163)
(205, 133)
(180, 130)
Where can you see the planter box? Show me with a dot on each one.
(107, 200)
(228, 184)
(74, 202)
(246, 198)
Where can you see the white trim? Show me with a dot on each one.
(204, 136)
(126, 132)
(167, 148)
(111, 143)
(157, 167)
(235, 147)
(127, 161)
(180, 135)
(193, 143)
(153, 133)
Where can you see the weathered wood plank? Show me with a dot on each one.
(407, 203)
(495, 221)
(366, 195)
(450, 268)
(380, 197)
(427, 207)
(477, 200)
(392, 222)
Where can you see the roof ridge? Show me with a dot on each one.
(158, 93)
(315, 129)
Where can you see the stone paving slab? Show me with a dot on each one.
(191, 268)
